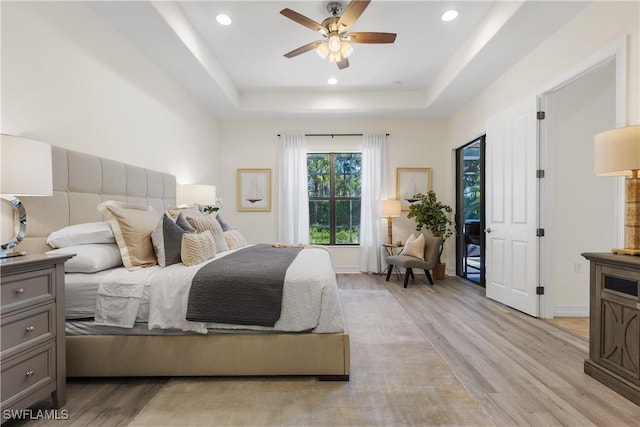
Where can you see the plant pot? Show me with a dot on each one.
(438, 271)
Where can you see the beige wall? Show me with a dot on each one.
(70, 80)
(254, 144)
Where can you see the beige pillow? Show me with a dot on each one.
(186, 211)
(210, 222)
(197, 248)
(414, 246)
(235, 239)
(132, 227)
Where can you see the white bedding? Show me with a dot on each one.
(80, 293)
(309, 303)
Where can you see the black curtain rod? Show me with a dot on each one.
(335, 134)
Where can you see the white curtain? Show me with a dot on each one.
(293, 212)
(374, 178)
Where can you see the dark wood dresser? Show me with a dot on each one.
(614, 323)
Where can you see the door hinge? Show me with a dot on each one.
(540, 173)
(539, 232)
(541, 115)
(540, 290)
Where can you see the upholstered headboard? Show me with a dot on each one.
(81, 182)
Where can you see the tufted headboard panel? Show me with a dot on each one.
(81, 182)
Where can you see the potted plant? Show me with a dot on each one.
(434, 216)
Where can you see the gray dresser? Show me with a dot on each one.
(32, 320)
(614, 323)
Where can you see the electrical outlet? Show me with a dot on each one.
(578, 266)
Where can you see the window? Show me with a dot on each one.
(334, 198)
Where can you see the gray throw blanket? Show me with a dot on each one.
(243, 288)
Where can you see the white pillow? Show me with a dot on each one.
(90, 258)
(414, 246)
(81, 234)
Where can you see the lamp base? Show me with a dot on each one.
(626, 251)
(5, 255)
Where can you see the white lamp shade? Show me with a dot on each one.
(390, 208)
(617, 151)
(196, 193)
(26, 167)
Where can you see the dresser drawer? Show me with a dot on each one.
(22, 290)
(27, 329)
(26, 374)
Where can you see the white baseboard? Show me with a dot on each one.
(571, 311)
(347, 268)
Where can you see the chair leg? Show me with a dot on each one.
(412, 276)
(389, 270)
(429, 277)
(406, 276)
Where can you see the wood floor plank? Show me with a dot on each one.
(521, 370)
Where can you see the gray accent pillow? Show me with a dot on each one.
(182, 222)
(167, 241)
(224, 225)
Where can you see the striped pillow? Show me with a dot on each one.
(209, 222)
(197, 248)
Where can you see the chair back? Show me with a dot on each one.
(432, 250)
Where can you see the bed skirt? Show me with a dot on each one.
(323, 355)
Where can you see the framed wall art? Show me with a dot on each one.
(411, 181)
(254, 190)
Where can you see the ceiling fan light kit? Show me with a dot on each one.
(337, 46)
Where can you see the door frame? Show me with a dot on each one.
(616, 51)
(459, 220)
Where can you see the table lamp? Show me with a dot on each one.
(26, 171)
(390, 209)
(617, 152)
(198, 194)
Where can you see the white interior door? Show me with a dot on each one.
(511, 207)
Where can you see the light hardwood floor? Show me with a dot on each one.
(521, 370)
(576, 325)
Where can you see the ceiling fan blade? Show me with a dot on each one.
(302, 49)
(343, 64)
(351, 13)
(371, 37)
(303, 20)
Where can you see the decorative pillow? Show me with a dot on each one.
(90, 258)
(209, 222)
(181, 220)
(197, 248)
(414, 246)
(224, 225)
(235, 239)
(132, 227)
(167, 240)
(81, 234)
(187, 211)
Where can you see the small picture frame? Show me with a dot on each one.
(411, 181)
(254, 190)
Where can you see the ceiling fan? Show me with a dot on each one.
(336, 45)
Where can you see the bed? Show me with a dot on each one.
(81, 182)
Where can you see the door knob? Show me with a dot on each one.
(487, 230)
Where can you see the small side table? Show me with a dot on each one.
(392, 249)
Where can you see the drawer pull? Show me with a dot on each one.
(30, 329)
(30, 373)
(20, 291)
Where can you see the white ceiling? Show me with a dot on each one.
(431, 70)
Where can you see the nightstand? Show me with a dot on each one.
(32, 354)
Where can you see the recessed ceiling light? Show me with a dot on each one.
(449, 15)
(223, 19)
(332, 81)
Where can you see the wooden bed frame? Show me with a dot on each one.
(81, 182)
